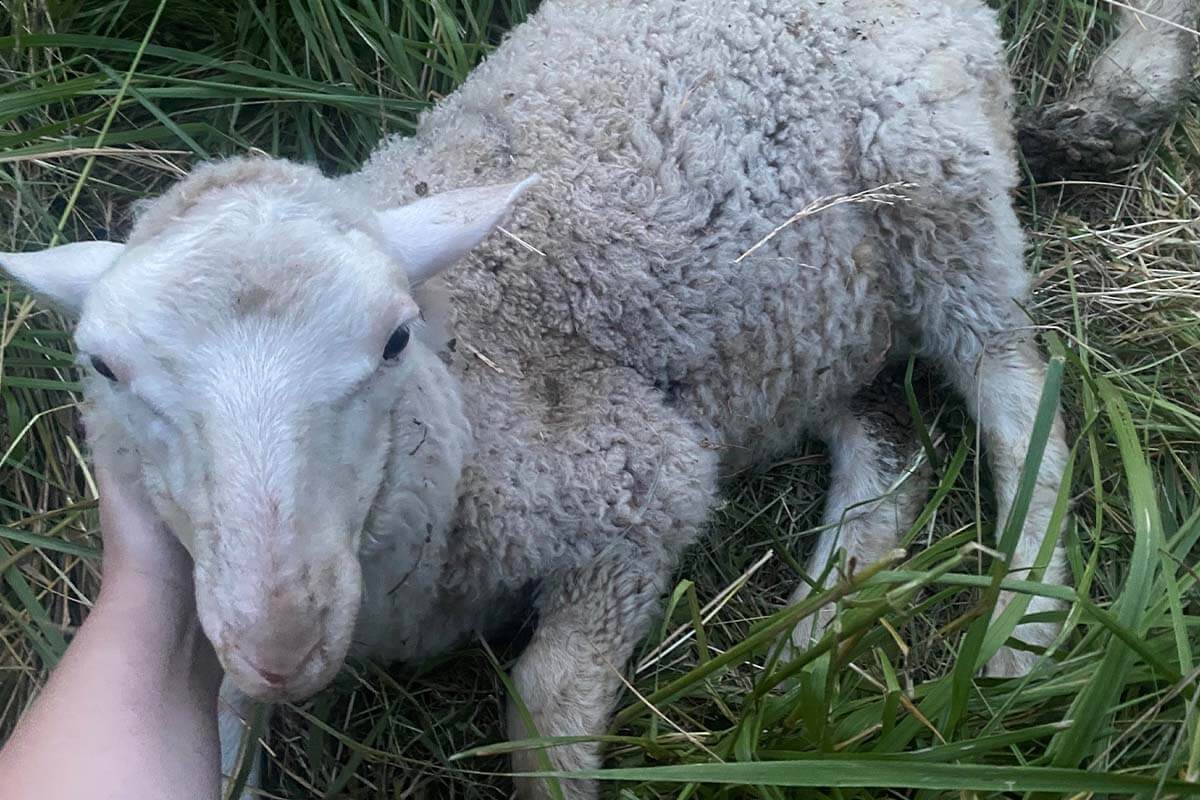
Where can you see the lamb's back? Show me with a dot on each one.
(671, 137)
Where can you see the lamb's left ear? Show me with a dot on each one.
(431, 234)
(65, 274)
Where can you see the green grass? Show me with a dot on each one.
(91, 120)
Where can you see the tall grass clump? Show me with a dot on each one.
(103, 103)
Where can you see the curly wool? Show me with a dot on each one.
(670, 138)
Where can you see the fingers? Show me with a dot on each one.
(136, 541)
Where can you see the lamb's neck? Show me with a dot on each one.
(431, 440)
(405, 544)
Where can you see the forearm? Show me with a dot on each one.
(131, 709)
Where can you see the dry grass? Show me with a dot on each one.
(1118, 297)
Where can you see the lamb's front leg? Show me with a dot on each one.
(569, 677)
(235, 712)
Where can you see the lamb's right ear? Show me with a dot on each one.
(431, 234)
(63, 274)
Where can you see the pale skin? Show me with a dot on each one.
(130, 711)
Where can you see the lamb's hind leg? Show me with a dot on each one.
(1001, 380)
(1131, 91)
(879, 480)
(569, 677)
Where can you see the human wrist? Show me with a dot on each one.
(160, 612)
(156, 620)
(160, 560)
(148, 595)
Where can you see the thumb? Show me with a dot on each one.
(136, 540)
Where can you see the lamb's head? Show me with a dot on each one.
(242, 354)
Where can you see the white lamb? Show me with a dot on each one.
(361, 457)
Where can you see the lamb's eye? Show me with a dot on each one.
(396, 342)
(99, 365)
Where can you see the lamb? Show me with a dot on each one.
(382, 428)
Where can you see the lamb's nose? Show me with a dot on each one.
(277, 666)
(273, 678)
(279, 647)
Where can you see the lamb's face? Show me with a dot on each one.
(254, 379)
(243, 360)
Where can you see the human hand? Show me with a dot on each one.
(138, 546)
(134, 698)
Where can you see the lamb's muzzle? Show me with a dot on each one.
(281, 634)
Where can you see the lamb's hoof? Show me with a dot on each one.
(534, 789)
(1010, 663)
(566, 759)
(249, 791)
(809, 630)
(1065, 138)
